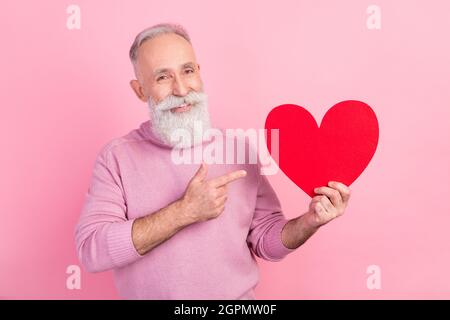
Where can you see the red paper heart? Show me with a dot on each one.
(339, 150)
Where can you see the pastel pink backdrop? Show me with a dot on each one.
(65, 93)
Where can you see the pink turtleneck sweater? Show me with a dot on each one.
(133, 176)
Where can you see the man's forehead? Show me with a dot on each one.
(165, 52)
(165, 45)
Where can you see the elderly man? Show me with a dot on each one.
(184, 231)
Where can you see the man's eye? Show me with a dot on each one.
(161, 78)
(189, 71)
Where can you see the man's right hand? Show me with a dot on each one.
(205, 199)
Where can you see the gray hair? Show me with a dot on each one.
(152, 32)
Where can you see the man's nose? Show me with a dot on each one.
(179, 87)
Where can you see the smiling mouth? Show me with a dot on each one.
(182, 108)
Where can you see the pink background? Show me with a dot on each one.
(65, 93)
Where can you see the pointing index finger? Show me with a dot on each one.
(227, 178)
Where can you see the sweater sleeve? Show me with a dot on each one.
(268, 221)
(103, 233)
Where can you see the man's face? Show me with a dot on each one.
(169, 81)
(166, 65)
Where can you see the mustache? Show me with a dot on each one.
(172, 101)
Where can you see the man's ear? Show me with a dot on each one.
(198, 66)
(138, 90)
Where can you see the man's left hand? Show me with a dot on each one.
(329, 203)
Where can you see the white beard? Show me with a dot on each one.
(184, 129)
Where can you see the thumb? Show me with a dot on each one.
(201, 173)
